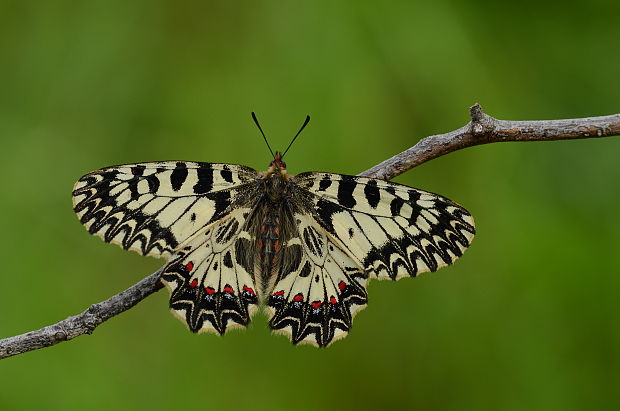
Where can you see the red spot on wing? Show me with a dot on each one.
(299, 297)
(333, 300)
(229, 289)
(262, 228)
(194, 283)
(249, 290)
(276, 245)
(281, 292)
(260, 243)
(189, 266)
(277, 231)
(342, 285)
(210, 290)
(316, 304)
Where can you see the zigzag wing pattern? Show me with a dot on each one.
(211, 289)
(391, 230)
(305, 245)
(152, 208)
(315, 300)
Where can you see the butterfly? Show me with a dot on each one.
(303, 247)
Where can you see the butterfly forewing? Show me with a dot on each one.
(389, 229)
(152, 208)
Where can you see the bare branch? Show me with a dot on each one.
(84, 323)
(482, 129)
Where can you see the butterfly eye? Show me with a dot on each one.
(283, 164)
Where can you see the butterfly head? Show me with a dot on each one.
(277, 162)
(277, 167)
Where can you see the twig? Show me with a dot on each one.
(83, 323)
(482, 129)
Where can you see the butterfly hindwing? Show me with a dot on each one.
(210, 290)
(152, 208)
(391, 230)
(316, 301)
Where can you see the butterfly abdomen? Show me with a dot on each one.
(269, 244)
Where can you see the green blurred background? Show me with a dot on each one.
(527, 319)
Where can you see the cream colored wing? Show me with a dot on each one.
(209, 289)
(315, 299)
(389, 229)
(152, 208)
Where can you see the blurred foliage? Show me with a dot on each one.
(527, 319)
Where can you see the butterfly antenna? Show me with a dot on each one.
(261, 131)
(298, 133)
